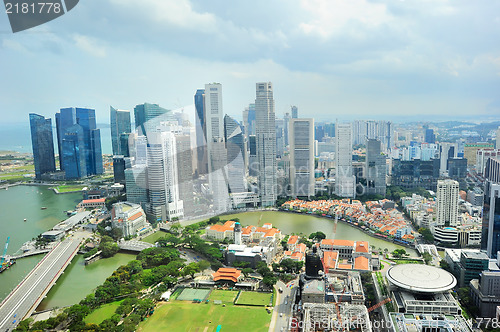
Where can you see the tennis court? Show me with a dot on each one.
(190, 294)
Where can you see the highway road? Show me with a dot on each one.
(284, 305)
(24, 299)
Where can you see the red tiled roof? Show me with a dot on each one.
(362, 246)
(361, 263)
(330, 259)
(97, 200)
(229, 274)
(293, 239)
(345, 243)
(344, 266)
(135, 216)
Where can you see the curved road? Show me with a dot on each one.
(24, 299)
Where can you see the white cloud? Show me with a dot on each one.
(89, 45)
(176, 12)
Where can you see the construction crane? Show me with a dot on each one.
(4, 252)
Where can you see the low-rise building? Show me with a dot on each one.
(129, 218)
(346, 255)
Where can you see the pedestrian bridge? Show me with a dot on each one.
(134, 246)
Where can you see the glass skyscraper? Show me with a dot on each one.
(42, 143)
(120, 127)
(79, 142)
(201, 132)
(148, 117)
(490, 241)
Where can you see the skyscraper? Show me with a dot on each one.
(376, 168)
(201, 132)
(429, 136)
(280, 137)
(42, 143)
(295, 112)
(345, 181)
(266, 143)
(490, 240)
(249, 119)
(185, 172)
(162, 177)
(148, 117)
(235, 145)
(447, 203)
(302, 157)
(83, 142)
(120, 124)
(216, 147)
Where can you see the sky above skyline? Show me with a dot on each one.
(356, 59)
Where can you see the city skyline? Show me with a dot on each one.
(375, 57)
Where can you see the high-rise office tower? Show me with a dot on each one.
(162, 177)
(201, 132)
(73, 153)
(185, 172)
(376, 168)
(498, 139)
(253, 162)
(149, 116)
(119, 167)
(370, 129)
(88, 142)
(490, 240)
(302, 157)
(249, 119)
(447, 203)
(216, 147)
(235, 145)
(345, 181)
(429, 136)
(136, 184)
(42, 143)
(120, 128)
(266, 143)
(295, 112)
(280, 137)
(286, 120)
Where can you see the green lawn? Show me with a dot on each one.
(104, 312)
(154, 237)
(254, 298)
(226, 296)
(180, 316)
(68, 188)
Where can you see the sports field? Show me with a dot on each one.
(190, 294)
(226, 296)
(181, 316)
(254, 298)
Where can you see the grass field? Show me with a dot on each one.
(102, 313)
(68, 188)
(154, 237)
(254, 298)
(226, 296)
(179, 316)
(407, 261)
(190, 294)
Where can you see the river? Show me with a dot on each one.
(304, 223)
(78, 280)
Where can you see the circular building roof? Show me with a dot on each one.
(421, 278)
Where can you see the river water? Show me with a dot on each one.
(79, 280)
(304, 223)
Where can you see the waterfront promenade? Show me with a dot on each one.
(24, 299)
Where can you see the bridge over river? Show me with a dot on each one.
(24, 299)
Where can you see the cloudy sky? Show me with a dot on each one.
(346, 59)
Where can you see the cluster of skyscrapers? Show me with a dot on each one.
(78, 143)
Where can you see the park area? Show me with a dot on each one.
(102, 313)
(254, 298)
(206, 316)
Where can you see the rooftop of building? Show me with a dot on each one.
(421, 278)
(474, 255)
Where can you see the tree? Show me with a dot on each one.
(317, 236)
(108, 249)
(246, 271)
(270, 280)
(203, 265)
(191, 269)
(427, 234)
(427, 257)
(398, 253)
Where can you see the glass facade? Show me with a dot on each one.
(490, 241)
(43, 144)
(79, 142)
(120, 124)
